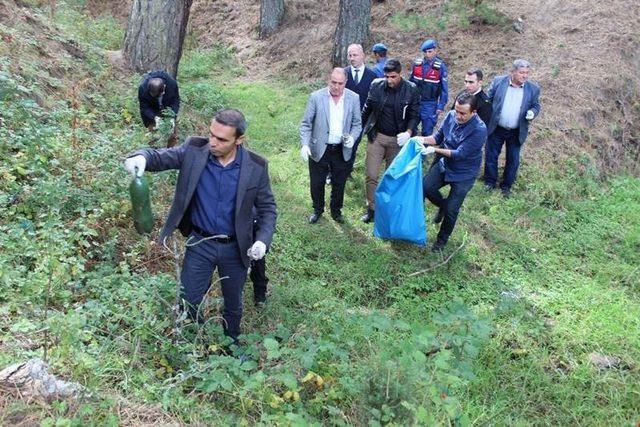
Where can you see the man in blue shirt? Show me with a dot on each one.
(222, 187)
(459, 141)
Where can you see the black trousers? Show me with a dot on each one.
(333, 161)
(258, 274)
(432, 182)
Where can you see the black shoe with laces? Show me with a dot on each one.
(368, 216)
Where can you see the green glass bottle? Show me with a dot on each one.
(140, 204)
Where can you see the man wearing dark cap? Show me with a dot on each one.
(380, 56)
(430, 76)
(157, 92)
(390, 115)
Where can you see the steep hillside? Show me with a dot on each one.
(586, 56)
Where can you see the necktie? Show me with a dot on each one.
(356, 80)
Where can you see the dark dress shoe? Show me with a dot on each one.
(260, 301)
(489, 187)
(438, 246)
(368, 217)
(439, 216)
(506, 193)
(314, 217)
(338, 218)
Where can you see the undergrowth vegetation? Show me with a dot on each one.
(500, 333)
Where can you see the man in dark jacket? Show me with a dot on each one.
(390, 115)
(515, 103)
(219, 185)
(460, 140)
(473, 85)
(359, 79)
(157, 92)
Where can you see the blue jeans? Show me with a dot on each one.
(428, 116)
(492, 152)
(431, 185)
(199, 263)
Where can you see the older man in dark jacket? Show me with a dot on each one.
(390, 115)
(219, 184)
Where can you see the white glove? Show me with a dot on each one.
(305, 153)
(135, 164)
(529, 115)
(173, 124)
(429, 149)
(257, 251)
(158, 121)
(403, 137)
(348, 141)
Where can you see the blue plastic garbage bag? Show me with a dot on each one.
(399, 202)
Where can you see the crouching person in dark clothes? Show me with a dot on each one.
(460, 140)
(219, 184)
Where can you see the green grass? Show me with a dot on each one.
(543, 280)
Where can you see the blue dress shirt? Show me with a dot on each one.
(214, 202)
(465, 142)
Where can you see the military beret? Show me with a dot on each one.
(379, 47)
(429, 44)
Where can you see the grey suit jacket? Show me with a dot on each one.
(314, 129)
(530, 101)
(254, 190)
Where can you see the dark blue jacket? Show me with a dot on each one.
(431, 79)
(530, 101)
(465, 142)
(362, 88)
(149, 107)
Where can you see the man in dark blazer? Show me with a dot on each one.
(157, 92)
(219, 184)
(473, 86)
(359, 78)
(515, 102)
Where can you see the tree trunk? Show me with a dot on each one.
(155, 34)
(271, 13)
(353, 27)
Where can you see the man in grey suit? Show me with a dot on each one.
(329, 128)
(219, 184)
(515, 102)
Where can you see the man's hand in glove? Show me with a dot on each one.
(257, 251)
(158, 121)
(530, 115)
(305, 153)
(348, 141)
(135, 165)
(427, 150)
(403, 137)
